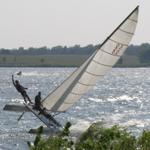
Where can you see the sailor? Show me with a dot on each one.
(42, 110)
(21, 90)
(48, 116)
(38, 104)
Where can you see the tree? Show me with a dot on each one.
(4, 59)
(144, 53)
(15, 58)
(42, 60)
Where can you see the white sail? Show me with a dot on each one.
(94, 68)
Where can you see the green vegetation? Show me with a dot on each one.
(97, 137)
(58, 142)
(135, 56)
(42, 60)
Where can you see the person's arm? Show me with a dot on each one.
(24, 87)
(13, 80)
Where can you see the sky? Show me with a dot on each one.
(37, 23)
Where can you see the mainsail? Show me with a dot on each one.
(94, 68)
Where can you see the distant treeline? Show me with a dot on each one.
(142, 51)
(57, 50)
(45, 56)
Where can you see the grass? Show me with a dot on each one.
(57, 61)
(42, 60)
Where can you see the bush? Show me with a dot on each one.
(97, 137)
(58, 142)
(144, 141)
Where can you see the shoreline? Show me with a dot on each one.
(60, 66)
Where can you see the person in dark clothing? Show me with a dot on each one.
(42, 110)
(21, 90)
(38, 104)
(48, 116)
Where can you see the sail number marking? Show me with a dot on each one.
(117, 49)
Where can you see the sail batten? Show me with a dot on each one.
(109, 53)
(97, 62)
(77, 93)
(92, 74)
(133, 20)
(130, 33)
(86, 84)
(118, 42)
(94, 68)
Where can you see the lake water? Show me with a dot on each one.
(123, 98)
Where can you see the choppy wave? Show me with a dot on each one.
(35, 73)
(95, 99)
(121, 98)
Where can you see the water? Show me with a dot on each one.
(121, 98)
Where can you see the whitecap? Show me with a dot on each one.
(134, 122)
(95, 99)
(35, 73)
(17, 100)
(123, 97)
(112, 99)
(116, 117)
(78, 128)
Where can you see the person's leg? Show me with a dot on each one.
(24, 97)
(27, 97)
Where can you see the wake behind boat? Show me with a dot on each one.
(92, 70)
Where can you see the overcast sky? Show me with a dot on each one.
(36, 23)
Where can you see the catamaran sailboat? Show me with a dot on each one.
(85, 77)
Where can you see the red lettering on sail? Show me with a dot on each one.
(117, 49)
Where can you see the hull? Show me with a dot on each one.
(15, 107)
